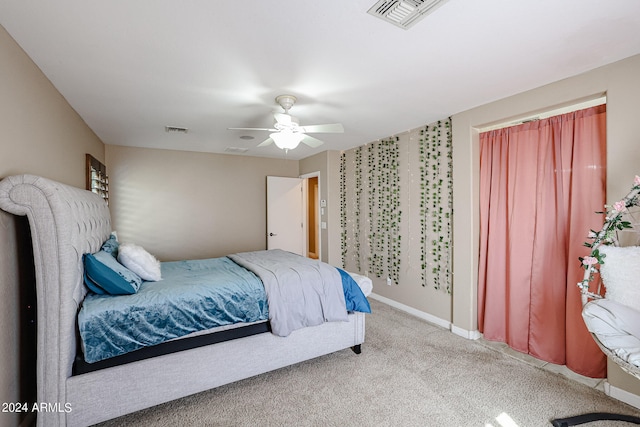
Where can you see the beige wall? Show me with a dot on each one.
(318, 164)
(187, 205)
(41, 135)
(327, 164)
(333, 242)
(620, 83)
(411, 291)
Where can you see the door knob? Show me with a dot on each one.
(272, 234)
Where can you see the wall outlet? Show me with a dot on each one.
(389, 283)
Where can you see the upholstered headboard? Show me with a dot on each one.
(65, 223)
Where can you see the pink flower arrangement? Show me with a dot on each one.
(613, 222)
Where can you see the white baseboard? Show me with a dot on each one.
(470, 335)
(421, 314)
(622, 395)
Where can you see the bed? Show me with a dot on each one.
(66, 223)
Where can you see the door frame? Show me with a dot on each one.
(305, 203)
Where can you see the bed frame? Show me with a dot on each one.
(67, 222)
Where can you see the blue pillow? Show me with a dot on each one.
(92, 286)
(111, 245)
(103, 274)
(353, 296)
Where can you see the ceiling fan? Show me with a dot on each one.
(287, 132)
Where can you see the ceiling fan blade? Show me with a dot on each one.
(328, 128)
(266, 142)
(311, 141)
(271, 130)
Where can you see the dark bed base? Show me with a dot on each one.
(82, 367)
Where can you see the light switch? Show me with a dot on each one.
(323, 203)
(323, 225)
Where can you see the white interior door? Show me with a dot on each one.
(285, 214)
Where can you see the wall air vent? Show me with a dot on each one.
(404, 13)
(175, 129)
(236, 150)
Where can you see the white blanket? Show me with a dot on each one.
(301, 291)
(616, 326)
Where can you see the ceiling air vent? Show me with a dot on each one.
(404, 13)
(175, 129)
(236, 150)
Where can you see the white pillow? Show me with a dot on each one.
(138, 260)
(621, 274)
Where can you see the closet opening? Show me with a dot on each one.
(542, 180)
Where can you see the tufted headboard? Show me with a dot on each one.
(65, 223)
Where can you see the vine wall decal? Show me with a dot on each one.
(372, 200)
(384, 213)
(356, 210)
(436, 201)
(343, 206)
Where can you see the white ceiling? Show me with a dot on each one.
(130, 68)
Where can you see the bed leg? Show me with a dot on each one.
(357, 349)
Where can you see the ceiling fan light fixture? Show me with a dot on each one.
(287, 140)
(287, 132)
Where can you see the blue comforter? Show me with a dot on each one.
(193, 296)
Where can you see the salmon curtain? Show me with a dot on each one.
(540, 185)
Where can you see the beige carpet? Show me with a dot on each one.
(410, 373)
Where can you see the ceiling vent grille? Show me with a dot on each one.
(404, 13)
(236, 150)
(175, 129)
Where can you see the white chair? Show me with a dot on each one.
(614, 320)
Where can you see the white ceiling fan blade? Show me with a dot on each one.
(266, 142)
(328, 128)
(271, 130)
(311, 141)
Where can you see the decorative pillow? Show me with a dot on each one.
(141, 262)
(353, 296)
(103, 274)
(111, 245)
(621, 274)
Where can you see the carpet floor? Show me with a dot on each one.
(410, 373)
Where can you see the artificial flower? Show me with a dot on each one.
(619, 206)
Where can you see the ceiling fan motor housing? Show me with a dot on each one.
(286, 101)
